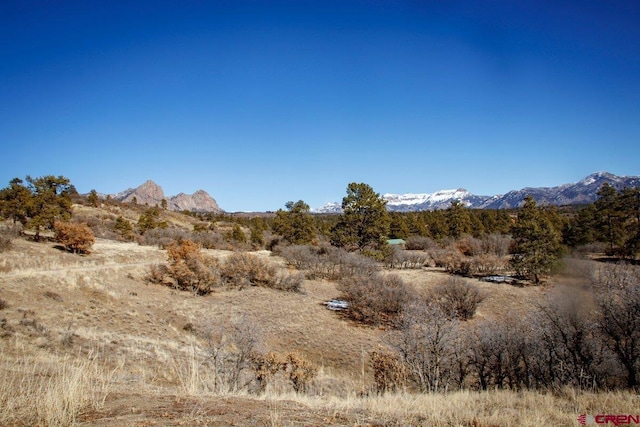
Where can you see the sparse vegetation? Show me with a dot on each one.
(328, 262)
(7, 234)
(412, 341)
(190, 269)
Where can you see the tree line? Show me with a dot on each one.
(612, 221)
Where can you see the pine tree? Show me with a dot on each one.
(15, 201)
(537, 243)
(458, 219)
(93, 199)
(364, 222)
(608, 218)
(580, 229)
(398, 228)
(124, 227)
(236, 234)
(295, 225)
(630, 204)
(50, 202)
(150, 219)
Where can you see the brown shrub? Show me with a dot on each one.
(296, 367)
(5, 243)
(230, 346)
(328, 262)
(389, 373)
(419, 243)
(400, 258)
(469, 246)
(163, 237)
(188, 269)
(300, 371)
(488, 264)
(496, 244)
(7, 234)
(265, 367)
(377, 299)
(241, 270)
(76, 238)
(457, 298)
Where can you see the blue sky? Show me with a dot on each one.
(262, 102)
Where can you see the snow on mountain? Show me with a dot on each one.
(429, 201)
(415, 202)
(331, 207)
(581, 192)
(417, 199)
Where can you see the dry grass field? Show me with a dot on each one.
(86, 340)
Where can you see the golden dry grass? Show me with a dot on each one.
(85, 340)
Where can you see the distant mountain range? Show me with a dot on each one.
(152, 194)
(581, 192)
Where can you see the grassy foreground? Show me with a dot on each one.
(86, 341)
(40, 388)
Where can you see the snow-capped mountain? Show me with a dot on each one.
(430, 201)
(581, 192)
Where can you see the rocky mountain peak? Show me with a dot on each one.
(150, 193)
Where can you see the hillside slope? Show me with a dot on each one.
(137, 350)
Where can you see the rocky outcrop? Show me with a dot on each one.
(200, 201)
(152, 194)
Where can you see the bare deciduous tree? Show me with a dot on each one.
(424, 340)
(229, 347)
(617, 294)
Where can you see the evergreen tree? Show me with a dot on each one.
(236, 234)
(537, 243)
(50, 202)
(436, 224)
(295, 225)
(398, 228)
(609, 227)
(364, 222)
(256, 237)
(124, 228)
(93, 198)
(458, 219)
(630, 204)
(15, 201)
(580, 229)
(477, 227)
(503, 222)
(415, 224)
(150, 219)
